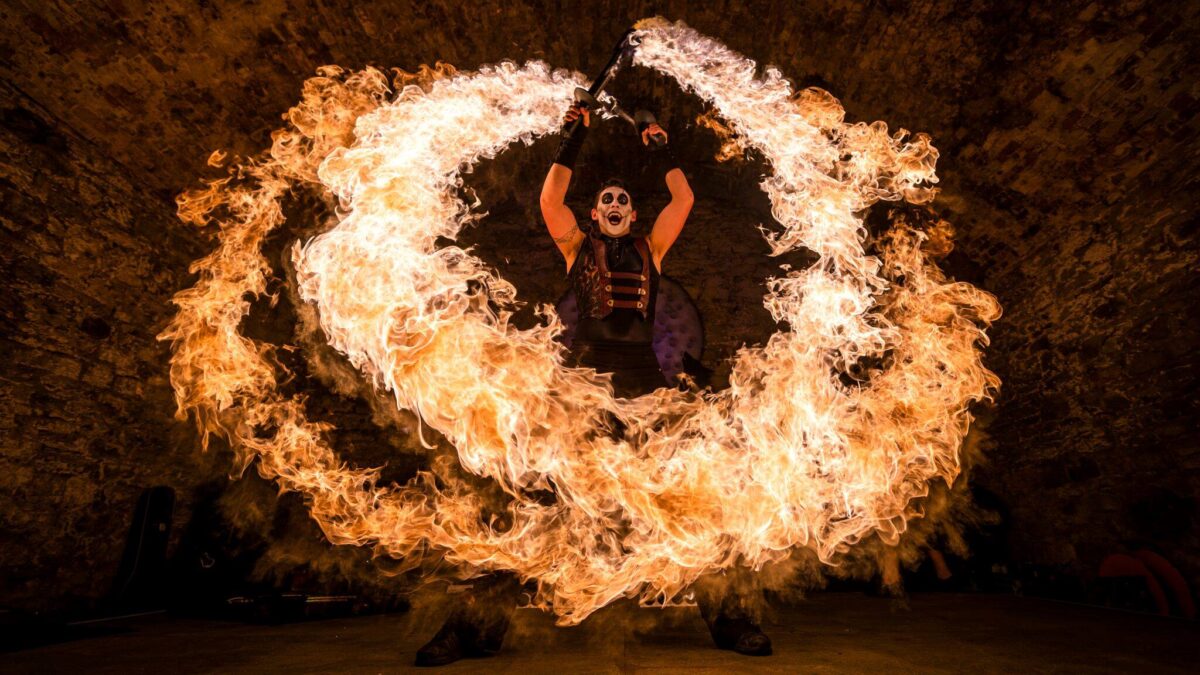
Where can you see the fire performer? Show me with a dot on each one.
(615, 280)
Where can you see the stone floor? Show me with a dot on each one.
(829, 633)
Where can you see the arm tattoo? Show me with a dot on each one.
(566, 238)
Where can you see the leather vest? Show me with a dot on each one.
(600, 290)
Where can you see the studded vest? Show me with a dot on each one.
(600, 290)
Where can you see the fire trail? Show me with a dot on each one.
(788, 457)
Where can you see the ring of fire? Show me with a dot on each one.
(788, 457)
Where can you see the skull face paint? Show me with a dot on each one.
(614, 212)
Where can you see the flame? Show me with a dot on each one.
(789, 457)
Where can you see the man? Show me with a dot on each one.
(615, 280)
(613, 275)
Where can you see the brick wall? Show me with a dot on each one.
(1068, 132)
(90, 260)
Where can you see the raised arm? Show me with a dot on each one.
(559, 219)
(673, 217)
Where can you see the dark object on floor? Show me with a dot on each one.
(281, 608)
(139, 581)
(1124, 582)
(214, 561)
(1178, 591)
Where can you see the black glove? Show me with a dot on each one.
(661, 160)
(568, 149)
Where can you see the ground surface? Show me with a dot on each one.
(836, 632)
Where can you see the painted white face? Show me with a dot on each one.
(614, 212)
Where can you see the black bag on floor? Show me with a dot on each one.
(139, 581)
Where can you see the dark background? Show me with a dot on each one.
(1068, 135)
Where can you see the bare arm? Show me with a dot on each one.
(559, 220)
(673, 217)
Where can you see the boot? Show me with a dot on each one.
(476, 627)
(725, 603)
(445, 647)
(464, 636)
(740, 635)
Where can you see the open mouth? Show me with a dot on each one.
(614, 219)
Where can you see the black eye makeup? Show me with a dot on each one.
(623, 199)
(606, 199)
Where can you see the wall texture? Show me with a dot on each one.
(1068, 133)
(90, 260)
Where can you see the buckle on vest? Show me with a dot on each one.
(641, 304)
(610, 303)
(608, 287)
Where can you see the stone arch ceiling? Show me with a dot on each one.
(1068, 133)
(159, 85)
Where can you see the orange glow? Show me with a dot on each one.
(788, 457)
